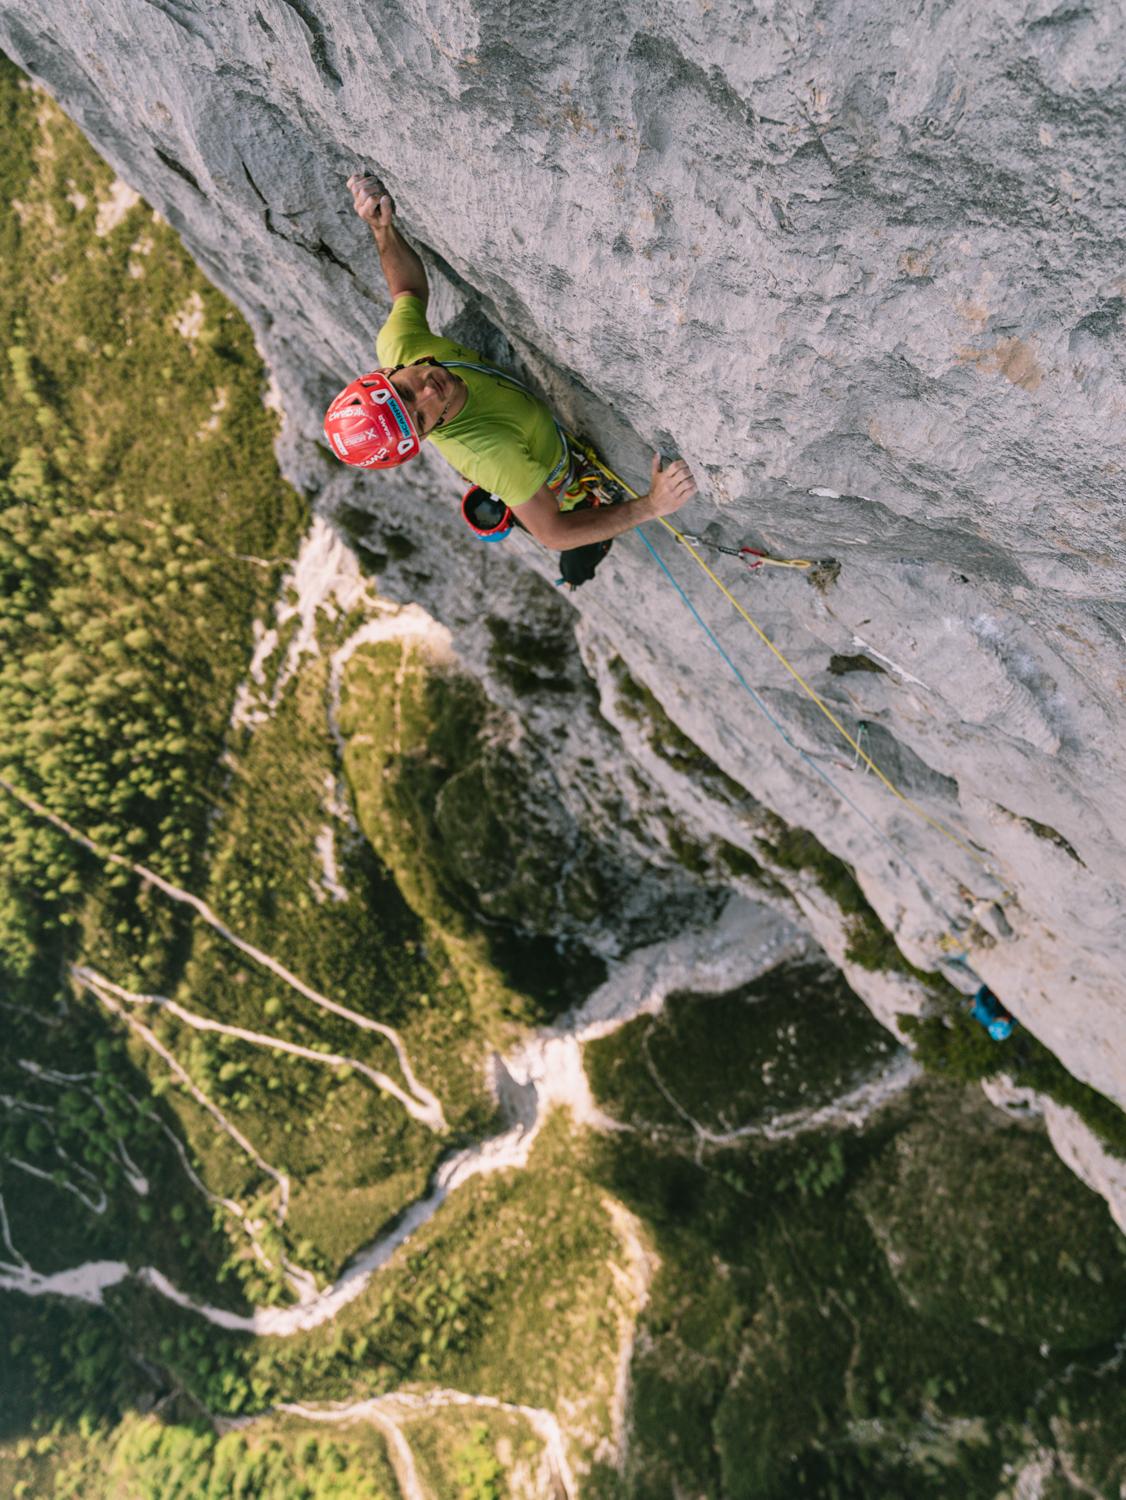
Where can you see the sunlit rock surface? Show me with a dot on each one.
(864, 271)
(1083, 1152)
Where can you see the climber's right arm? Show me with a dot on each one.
(401, 266)
(669, 489)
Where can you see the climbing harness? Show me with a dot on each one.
(491, 520)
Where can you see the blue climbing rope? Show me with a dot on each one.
(897, 853)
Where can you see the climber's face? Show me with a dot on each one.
(430, 393)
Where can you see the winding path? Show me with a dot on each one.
(851, 1109)
(546, 1072)
(388, 1412)
(101, 987)
(429, 1109)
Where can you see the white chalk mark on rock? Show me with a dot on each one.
(894, 665)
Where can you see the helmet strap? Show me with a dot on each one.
(428, 359)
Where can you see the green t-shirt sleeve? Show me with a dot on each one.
(406, 335)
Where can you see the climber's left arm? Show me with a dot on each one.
(401, 266)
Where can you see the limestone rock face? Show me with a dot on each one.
(862, 266)
(1075, 1144)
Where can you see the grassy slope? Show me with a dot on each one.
(437, 802)
(127, 506)
(94, 500)
(857, 1313)
(151, 1459)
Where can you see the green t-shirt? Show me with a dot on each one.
(503, 438)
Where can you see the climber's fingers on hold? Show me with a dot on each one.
(670, 488)
(681, 479)
(372, 201)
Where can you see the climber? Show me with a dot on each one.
(487, 425)
(988, 1011)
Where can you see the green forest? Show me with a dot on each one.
(252, 1239)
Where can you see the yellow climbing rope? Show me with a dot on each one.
(862, 754)
(812, 693)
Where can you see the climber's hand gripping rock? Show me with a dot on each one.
(401, 266)
(669, 488)
(371, 200)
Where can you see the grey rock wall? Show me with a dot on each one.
(862, 265)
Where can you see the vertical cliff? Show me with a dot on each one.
(864, 271)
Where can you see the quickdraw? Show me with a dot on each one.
(752, 558)
(810, 692)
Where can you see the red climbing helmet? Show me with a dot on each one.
(368, 425)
